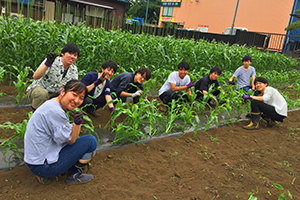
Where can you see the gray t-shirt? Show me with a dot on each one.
(47, 132)
(53, 79)
(274, 98)
(174, 78)
(243, 76)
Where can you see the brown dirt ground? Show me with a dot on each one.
(184, 167)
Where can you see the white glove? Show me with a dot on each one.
(137, 93)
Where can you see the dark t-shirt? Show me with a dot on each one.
(124, 82)
(204, 84)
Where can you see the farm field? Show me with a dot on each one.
(239, 163)
(224, 163)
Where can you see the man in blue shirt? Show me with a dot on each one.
(98, 86)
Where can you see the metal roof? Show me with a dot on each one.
(93, 4)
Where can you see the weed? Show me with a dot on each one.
(174, 154)
(281, 196)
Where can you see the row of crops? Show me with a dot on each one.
(24, 43)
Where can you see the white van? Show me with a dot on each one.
(228, 30)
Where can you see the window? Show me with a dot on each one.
(94, 11)
(167, 11)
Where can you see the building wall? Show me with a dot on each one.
(256, 15)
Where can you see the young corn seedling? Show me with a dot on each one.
(281, 196)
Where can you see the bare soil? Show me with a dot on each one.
(238, 163)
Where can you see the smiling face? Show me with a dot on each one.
(109, 72)
(182, 72)
(71, 99)
(247, 63)
(138, 78)
(69, 58)
(214, 76)
(261, 86)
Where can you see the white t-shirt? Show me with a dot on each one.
(274, 98)
(174, 78)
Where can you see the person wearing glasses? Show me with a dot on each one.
(129, 85)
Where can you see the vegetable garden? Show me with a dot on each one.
(24, 43)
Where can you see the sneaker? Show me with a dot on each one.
(162, 108)
(43, 181)
(78, 179)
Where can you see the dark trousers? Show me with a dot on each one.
(123, 99)
(168, 96)
(99, 102)
(265, 109)
(200, 95)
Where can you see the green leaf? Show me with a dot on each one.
(278, 186)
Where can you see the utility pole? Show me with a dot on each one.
(147, 11)
(236, 8)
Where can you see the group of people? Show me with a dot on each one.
(52, 146)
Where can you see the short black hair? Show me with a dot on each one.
(143, 71)
(247, 58)
(261, 79)
(71, 48)
(184, 65)
(215, 69)
(110, 64)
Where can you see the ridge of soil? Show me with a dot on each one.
(223, 163)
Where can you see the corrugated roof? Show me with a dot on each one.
(125, 1)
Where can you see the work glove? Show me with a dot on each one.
(231, 83)
(137, 93)
(99, 80)
(77, 116)
(112, 109)
(50, 59)
(247, 97)
(191, 84)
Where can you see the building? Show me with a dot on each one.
(214, 16)
(105, 13)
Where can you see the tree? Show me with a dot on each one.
(138, 9)
(295, 25)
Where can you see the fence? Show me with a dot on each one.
(261, 40)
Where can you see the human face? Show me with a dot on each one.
(109, 72)
(214, 76)
(247, 63)
(69, 58)
(182, 72)
(261, 86)
(71, 99)
(140, 78)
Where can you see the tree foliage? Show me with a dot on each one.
(138, 9)
(295, 25)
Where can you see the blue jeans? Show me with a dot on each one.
(246, 89)
(68, 156)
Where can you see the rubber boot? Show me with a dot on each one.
(254, 124)
(270, 122)
(76, 176)
(91, 110)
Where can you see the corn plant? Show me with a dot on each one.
(21, 84)
(281, 196)
(11, 143)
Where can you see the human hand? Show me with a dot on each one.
(191, 84)
(231, 83)
(77, 116)
(99, 80)
(247, 97)
(112, 109)
(50, 59)
(137, 93)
